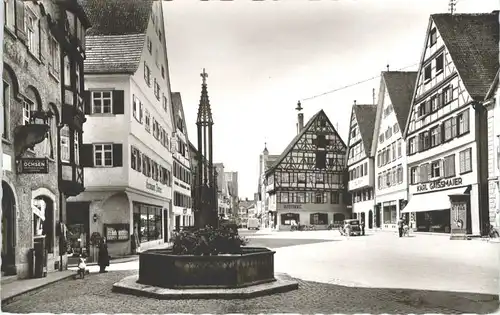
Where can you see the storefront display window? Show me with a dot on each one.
(434, 221)
(147, 218)
(319, 219)
(390, 214)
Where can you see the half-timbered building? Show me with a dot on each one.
(360, 164)
(307, 181)
(446, 130)
(394, 101)
(42, 119)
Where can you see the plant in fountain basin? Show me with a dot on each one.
(208, 241)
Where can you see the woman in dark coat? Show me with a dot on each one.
(103, 260)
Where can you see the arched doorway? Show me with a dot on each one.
(8, 230)
(370, 219)
(43, 222)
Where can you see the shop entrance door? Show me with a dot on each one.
(8, 231)
(370, 219)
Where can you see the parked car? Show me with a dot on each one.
(253, 223)
(355, 227)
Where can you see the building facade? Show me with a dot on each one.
(306, 184)
(267, 214)
(128, 143)
(446, 130)
(223, 197)
(360, 164)
(493, 106)
(182, 205)
(42, 118)
(232, 184)
(394, 102)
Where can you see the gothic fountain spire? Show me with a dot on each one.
(206, 203)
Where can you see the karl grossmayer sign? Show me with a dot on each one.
(451, 182)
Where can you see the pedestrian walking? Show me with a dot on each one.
(347, 230)
(400, 226)
(363, 227)
(103, 260)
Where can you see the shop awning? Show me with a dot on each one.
(434, 201)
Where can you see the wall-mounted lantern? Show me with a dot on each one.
(95, 217)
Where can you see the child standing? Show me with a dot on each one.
(82, 266)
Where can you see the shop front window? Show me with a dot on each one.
(148, 221)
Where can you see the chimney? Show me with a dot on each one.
(300, 117)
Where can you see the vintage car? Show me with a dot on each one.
(355, 227)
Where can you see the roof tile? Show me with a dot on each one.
(400, 86)
(117, 17)
(365, 117)
(113, 53)
(472, 41)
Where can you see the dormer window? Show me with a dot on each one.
(150, 45)
(433, 37)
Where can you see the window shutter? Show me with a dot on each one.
(86, 102)
(117, 154)
(118, 102)
(87, 155)
(408, 147)
(442, 130)
(20, 21)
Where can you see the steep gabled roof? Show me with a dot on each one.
(400, 86)
(117, 17)
(493, 88)
(472, 41)
(115, 41)
(178, 108)
(365, 117)
(296, 139)
(113, 53)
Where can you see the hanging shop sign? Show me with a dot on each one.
(33, 166)
(153, 186)
(443, 183)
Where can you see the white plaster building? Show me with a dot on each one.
(493, 106)
(128, 134)
(360, 163)
(446, 130)
(182, 213)
(394, 102)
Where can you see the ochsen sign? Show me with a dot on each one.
(33, 166)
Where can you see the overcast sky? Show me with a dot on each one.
(262, 57)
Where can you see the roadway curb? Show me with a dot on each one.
(11, 298)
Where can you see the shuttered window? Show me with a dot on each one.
(449, 166)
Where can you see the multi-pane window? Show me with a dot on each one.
(6, 109)
(147, 120)
(319, 197)
(165, 104)
(400, 144)
(433, 37)
(447, 94)
(435, 102)
(428, 73)
(31, 32)
(103, 155)
(135, 107)
(334, 197)
(395, 128)
(435, 136)
(449, 166)
(414, 175)
(465, 161)
(424, 173)
(135, 159)
(54, 61)
(450, 129)
(412, 145)
(147, 74)
(463, 122)
(77, 148)
(439, 63)
(400, 174)
(393, 149)
(436, 170)
(28, 107)
(65, 148)
(157, 89)
(102, 102)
